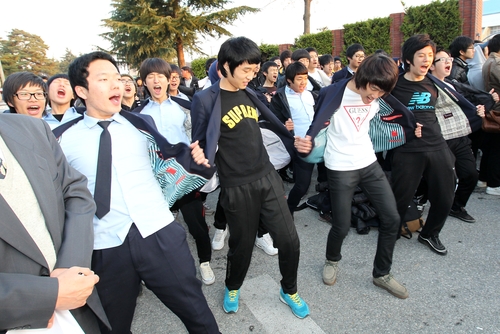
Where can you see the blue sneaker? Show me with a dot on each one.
(231, 301)
(298, 305)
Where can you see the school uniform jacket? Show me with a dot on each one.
(206, 118)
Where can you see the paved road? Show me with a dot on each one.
(457, 293)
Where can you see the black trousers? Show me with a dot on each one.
(490, 161)
(246, 205)
(163, 261)
(437, 168)
(374, 183)
(191, 206)
(465, 167)
(302, 173)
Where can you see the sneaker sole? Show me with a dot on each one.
(217, 248)
(330, 283)
(395, 294)
(284, 302)
(270, 254)
(229, 312)
(212, 281)
(437, 251)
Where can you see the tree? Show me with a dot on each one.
(65, 61)
(163, 28)
(307, 16)
(23, 51)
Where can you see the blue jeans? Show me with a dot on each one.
(376, 187)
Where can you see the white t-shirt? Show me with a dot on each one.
(349, 146)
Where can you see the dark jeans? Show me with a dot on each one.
(246, 205)
(163, 261)
(437, 168)
(465, 167)
(373, 182)
(490, 161)
(302, 173)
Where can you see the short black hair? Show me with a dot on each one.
(352, 49)
(175, 69)
(18, 80)
(412, 45)
(235, 51)
(157, 65)
(325, 59)
(294, 69)
(460, 43)
(267, 64)
(209, 62)
(309, 49)
(274, 58)
(78, 71)
(494, 43)
(284, 55)
(299, 54)
(378, 69)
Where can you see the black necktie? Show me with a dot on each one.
(102, 190)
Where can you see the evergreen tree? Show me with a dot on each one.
(65, 61)
(165, 28)
(23, 51)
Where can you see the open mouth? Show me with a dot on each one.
(157, 89)
(128, 89)
(116, 99)
(61, 93)
(34, 110)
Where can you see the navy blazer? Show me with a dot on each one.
(329, 101)
(206, 118)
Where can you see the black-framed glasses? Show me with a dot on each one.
(3, 170)
(125, 81)
(24, 96)
(444, 59)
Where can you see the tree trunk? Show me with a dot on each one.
(307, 16)
(180, 52)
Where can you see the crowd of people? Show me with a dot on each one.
(95, 166)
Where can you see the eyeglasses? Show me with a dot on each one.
(24, 96)
(125, 82)
(3, 170)
(172, 77)
(444, 59)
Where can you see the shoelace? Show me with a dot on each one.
(296, 299)
(232, 295)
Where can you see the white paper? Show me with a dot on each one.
(64, 322)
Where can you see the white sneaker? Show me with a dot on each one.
(493, 191)
(266, 244)
(208, 210)
(481, 184)
(218, 239)
(207, 275)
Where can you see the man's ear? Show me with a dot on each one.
(10, 104)
(81, 92)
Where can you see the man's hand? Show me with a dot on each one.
(75, 286)
(198, 154)
(494, 95)
(480, 110)
(289, 124)
(418, 131)
(303, 145)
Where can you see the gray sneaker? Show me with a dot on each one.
(388, 283)
(330, 270)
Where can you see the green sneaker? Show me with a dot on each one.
(388, 283)
(330, 270)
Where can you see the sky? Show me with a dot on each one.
(76, 25)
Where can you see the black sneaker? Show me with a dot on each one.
(462, 215)
(434, 244)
